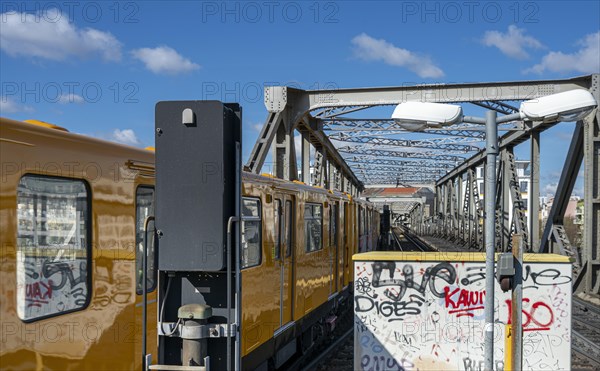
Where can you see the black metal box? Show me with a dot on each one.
(196, 169)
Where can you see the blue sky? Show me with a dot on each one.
(98, 68)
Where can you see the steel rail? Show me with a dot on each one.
(330, 349)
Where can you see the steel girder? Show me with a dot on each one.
(331, 112)
(389, 126)
(398, 175)
(439, 93)
(590, 253)
(334, 134)
(317, 114)
(395, 170)
(497, 106)
(392, 162)
(433, 144)
(358, 150)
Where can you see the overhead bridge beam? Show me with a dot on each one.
(357, 150)
(439, 93)
(435, 144)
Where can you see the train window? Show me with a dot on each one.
(251, 232)
(313, 227)
(333, 220)
(53, 246)
(278, 228)
(361, 218)
(144, 201)
(289, 219)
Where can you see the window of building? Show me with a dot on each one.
(481, 188)
(313, 227)
(53, 246)
(144, 207)
(251, 232)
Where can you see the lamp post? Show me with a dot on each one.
(566, 106)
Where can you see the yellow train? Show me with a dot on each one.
(72, 211)
(297, 246)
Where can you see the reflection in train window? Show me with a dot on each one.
(251, 232)
(278, 229)
(53, 242)
(333, 221)
(289, 220)
(144, 207)
(313, 227)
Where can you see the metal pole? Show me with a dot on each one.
(534, 192)
(490, 236)
(517, 304)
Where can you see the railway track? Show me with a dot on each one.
(322, 352)
(331, 352)
(416, 242)
(585, 335)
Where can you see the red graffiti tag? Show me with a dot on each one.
(37, 293)
(536, 315)
(463, 302)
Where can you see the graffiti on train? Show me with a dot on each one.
(50, 285)
(420, 315)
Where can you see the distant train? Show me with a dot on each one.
(297, 246)
(72, 210)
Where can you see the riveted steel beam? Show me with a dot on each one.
(357, 150)
(434, 144)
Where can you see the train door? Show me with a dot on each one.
(285, 258)
(345, 221)
(144, 201)
(333, 247)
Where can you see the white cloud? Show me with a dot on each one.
(70, 98)
(371, 49)
(513, 43)
(125, 136)
(584, 60)
(550, 189)
(257, 127)
(9, 105)
(51, 36)
(164, 59)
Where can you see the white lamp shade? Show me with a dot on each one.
(419, 115)
(570, 105)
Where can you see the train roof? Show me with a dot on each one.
(295, 185)
(44, 129)
(50, 130)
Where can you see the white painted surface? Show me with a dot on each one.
(429, 316)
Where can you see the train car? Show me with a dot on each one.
(297, 246)
(72, 211)
(72, 214)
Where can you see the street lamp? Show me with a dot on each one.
(566, 106)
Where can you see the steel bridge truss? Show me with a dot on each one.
(350, 152)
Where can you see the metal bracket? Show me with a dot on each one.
(212, 330)
(275, 98)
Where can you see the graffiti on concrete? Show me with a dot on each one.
(430, 315)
